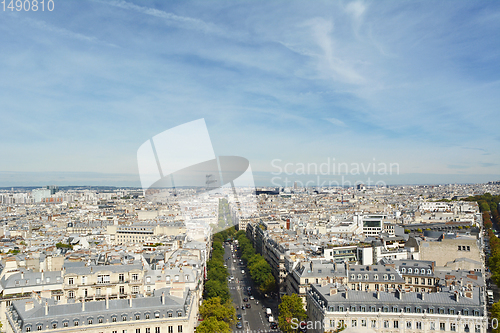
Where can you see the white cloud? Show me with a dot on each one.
(336, 122)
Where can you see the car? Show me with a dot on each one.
(243, 307)
(239, 325)
(234, 260)
(251, 297)
(274, 326)
(239, 316)
(245, 299)
(248, 306)
(257, 302)
(242, 271)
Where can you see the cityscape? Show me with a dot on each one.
(249, 167)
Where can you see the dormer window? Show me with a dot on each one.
(409, 270)
(353, 277)
(403, 270)
(375, 277)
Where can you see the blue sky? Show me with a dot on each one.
(409, 82)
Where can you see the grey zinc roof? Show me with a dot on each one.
(97, 309)
(107, 268)
(436, 300)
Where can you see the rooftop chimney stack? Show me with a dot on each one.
(83, 305)
(163, 298)
(107, 302)
(46, 308)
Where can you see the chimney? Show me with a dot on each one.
(457, 296)
(42, 276)
(22, 275)
(46, 308)
(377, 295)
(29, 305)
(346, 295)
(130, 301)
(163, 298)
(333, 291)
(399, 293)
(83, 305)
(107, 302)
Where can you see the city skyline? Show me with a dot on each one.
(412, 84)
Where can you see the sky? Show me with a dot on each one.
(412, 84)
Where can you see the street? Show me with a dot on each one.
(253, 318)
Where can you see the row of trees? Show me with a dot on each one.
(258, 267)
(217, 310)
(488, 205)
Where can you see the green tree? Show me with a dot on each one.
(290, 308)
(212, 325)
(214, 307)
(495, 313)
(407, 231)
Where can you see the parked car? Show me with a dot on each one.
(239, 316)
(248, 305)
(245, 299)
(274, 326)
(251, 297)
(239, 325)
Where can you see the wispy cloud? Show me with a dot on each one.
(336, 122)
(170, 18)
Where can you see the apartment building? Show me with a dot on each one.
(329, 307)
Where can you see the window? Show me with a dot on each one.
(103, 279)
(146, 315)
(39, 328)
(71, 281)
(157, 315)
(453, 327)
(90, 321)
(451, 311)
(416, 271)
(408, 324)
(396, 324)
(418, 309)
(113, 319)
(65, 324)
(179, 314)
(432, 326)
(28, 329)
(54, 325)
(466, 328)
(354, 323)
(135, 289)
(468, 248)
(407, 309)
(121, 277)
(122, 290)
(135, 277)
(363, 322)
(429, 282)
(366, 276)
(353, 308)
(124, 318)
(372, 309)
(375, 277)
(385, 277)
(403, 270)
(459, 248)
(341, 308)
(431, 310)
(442, 326)
(137, 330)
(306, 281)
(99, 320)
(363, 308)
(385, 309)
(409, 280)
(441, 310)
(478, 327)
(148, 330)
(418, 325)
(76, 323)
(170, 329)
(360, 277)
(98, 291)
(84, 280)
(179, 329)
(137, 317)
(71, 294)
(465, 312)
(429, 271)
(386, 324)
